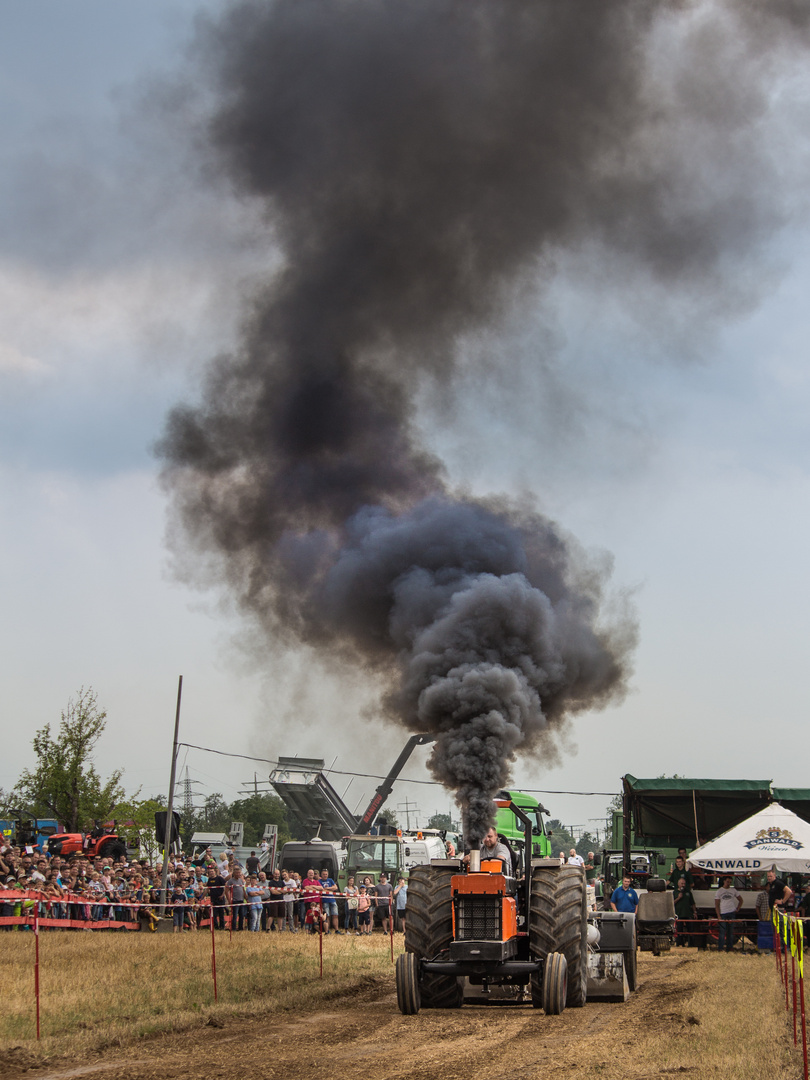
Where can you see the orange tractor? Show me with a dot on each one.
(103, 842)
(469, 931)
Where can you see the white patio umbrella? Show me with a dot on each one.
(771, 837)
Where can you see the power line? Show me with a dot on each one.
(376, 776)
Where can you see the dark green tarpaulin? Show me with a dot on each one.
(793, 798)
(686, 812)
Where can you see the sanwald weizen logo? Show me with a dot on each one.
(774, 836)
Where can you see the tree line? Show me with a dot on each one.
(64, 784)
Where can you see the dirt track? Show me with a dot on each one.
(367, 1036)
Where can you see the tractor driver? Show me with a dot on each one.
(492, 848)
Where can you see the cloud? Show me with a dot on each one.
(14, 362)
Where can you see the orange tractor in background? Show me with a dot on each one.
(102, 842)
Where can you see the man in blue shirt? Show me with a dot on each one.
(624, 898)
(329, 901)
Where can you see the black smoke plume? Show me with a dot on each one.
(421, 162)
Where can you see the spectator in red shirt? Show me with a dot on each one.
(311, 893)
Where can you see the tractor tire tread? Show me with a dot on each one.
(558, 922)
(429, 931)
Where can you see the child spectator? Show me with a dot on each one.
(363, 912)
(401, 901)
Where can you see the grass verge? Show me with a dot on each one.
(104, 989)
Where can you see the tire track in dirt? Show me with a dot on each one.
(367, 1034)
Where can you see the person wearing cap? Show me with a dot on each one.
(727, 902)
(382, 891)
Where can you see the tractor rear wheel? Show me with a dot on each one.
(555, 984)
(408, 997)
(558, 922)
(429, 931)
(115, 850)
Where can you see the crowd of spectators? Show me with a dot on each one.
(770, 893)
(88, 890)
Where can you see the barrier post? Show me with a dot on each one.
(320, 935)
(804, 1032)
(213, 954)
(36, 967)
(793, 971)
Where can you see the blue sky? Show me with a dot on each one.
(683, 454)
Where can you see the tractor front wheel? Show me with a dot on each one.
(555, 984)
(408, 997)
(429, 931)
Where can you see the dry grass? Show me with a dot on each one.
(102, 989)
(709, 1015)
(717, 1015)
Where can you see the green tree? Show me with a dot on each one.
(587, 842)
(135, 821)
(440, 821)
(64, 784)
(255, 812)
(214, 816)
(215, 813)
(562, 839)
(387, 815)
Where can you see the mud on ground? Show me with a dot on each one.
(367, 1036)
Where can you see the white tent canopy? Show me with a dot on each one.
(771, 837)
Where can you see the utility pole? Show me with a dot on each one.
(167, 836)
(409, 808)
(188, 795)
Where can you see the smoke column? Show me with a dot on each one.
(422, 162)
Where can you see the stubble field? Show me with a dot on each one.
(139, 1007)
